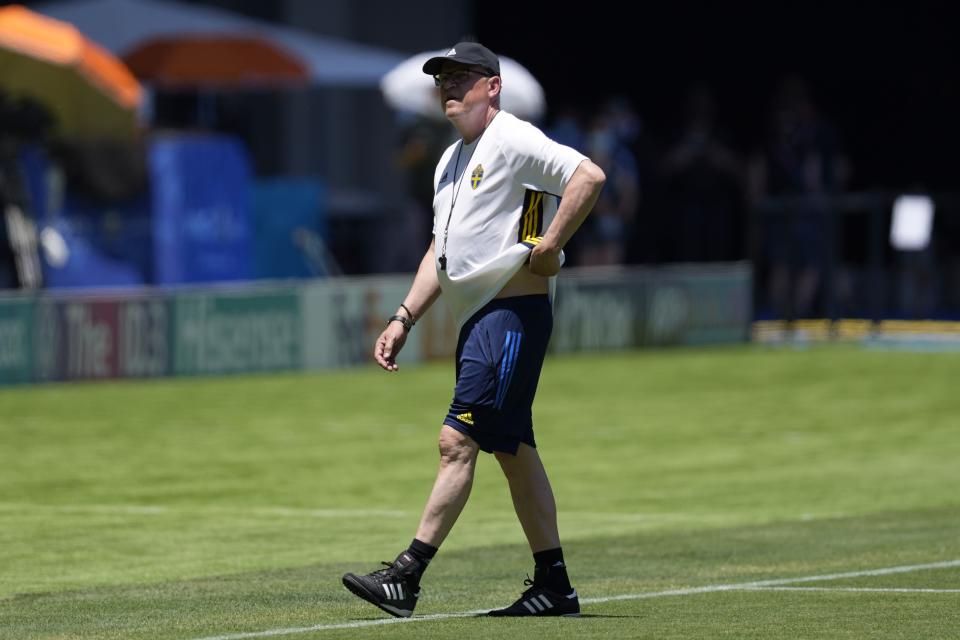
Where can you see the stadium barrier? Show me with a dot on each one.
(907, 335)
(333, 323)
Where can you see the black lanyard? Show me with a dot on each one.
(453, 201)
(456, 192)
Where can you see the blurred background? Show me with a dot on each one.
(182, 180)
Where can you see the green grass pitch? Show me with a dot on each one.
(229, 508)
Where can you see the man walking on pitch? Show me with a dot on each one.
(499, 227)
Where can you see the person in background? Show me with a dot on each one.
(22, 121)
(607, 232)
(703, 177)
(800, 156)
(422, 141)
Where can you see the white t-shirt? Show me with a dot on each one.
(494, 199)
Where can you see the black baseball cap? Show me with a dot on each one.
(466, 53)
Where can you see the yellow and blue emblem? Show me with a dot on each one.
(476, 176)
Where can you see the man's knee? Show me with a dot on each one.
(455, 447)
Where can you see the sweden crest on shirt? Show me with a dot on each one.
(476, 176)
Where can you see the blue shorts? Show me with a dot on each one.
(499, 356)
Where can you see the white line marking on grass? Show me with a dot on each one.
(857, 589)
(741, 586)
(123, 509)
(345, 625)
(155, 510)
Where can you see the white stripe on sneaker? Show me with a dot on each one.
(400, 590)
(544, 600)
(537, 604)
(530, 607)
(386, 589)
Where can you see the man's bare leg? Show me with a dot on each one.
(551, 592)
(532, 497)
(458, 461)
(396, 588)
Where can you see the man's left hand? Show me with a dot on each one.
(545, 260)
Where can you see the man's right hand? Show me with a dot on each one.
(544, 260)
(388, 345)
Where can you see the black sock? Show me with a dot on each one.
(550, 571)
(423, 553)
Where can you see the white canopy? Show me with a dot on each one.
(123, 25)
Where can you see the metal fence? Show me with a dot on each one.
(830, 256)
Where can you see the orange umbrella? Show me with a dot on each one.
(90, 93)
(218, 60)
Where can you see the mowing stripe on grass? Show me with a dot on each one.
(307, 512)
(741, 586)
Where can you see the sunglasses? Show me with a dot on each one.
(457, 77)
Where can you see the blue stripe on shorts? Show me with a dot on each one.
(511, 347)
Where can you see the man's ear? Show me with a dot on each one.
(494, 86)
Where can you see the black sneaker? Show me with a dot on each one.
(539, 601)
(394, 589)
